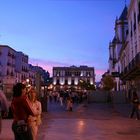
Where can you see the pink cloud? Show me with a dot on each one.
(46, 64)
(99, 73)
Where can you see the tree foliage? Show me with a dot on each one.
(86, 85)
(108, 82)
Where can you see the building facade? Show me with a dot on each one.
(32, 75)
(69, 77)
(127, 64)
(14, 68)
(7, 68)
(22, 66)
(115, 47)
(130, 72)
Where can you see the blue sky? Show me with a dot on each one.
(61, 32)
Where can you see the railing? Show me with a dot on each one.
(135, 61)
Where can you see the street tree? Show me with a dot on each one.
(84, 85)
(108, 82)
(108, 85)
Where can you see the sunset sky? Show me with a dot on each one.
(61, 32)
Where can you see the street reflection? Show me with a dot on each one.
(81, 126)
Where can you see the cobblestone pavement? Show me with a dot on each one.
(92, 122)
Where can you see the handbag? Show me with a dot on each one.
(21, 127)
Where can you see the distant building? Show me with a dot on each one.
(14, 68)
(69, 77)
(39, 78)
(32, 75)
(22, 66)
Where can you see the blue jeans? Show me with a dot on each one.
(22, 136)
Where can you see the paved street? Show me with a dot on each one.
(95, 122)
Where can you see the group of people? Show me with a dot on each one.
(64, 98)
(67, 98)
(26, 112)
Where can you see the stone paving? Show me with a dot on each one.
(94, 122)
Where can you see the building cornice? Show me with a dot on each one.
(6, 46)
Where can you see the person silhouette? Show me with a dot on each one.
(3, 107)
(135, 102)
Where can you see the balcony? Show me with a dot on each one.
(132, 70)
(138, 17)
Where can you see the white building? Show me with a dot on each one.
(121, 28)
(7, 68)
(67, 77)
(22, 66)
(32, 74)
(130, 72)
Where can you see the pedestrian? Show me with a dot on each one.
(61, 94)
(135, 103)
(50, 96)
(21, 108)
(3, 107)
(69, 104)
(34, 121)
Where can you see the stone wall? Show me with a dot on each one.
(103, 96)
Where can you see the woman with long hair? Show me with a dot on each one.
(34, 121)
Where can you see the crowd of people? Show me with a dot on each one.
(67, 98)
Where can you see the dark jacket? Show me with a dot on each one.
(21, 108)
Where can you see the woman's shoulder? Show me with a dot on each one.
(38, 102)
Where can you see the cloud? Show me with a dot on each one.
(99, 73)
(46, 64)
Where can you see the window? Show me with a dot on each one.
(136, 48)
(131, 29)
(139, 13)
(7, 72)
(57, 82)
(66, 82)
(72, 82)
(134, 21)
(126, 32)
